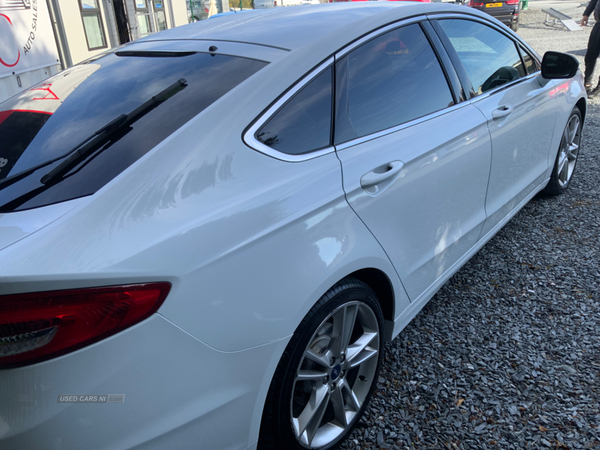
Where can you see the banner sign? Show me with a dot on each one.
(26, 37)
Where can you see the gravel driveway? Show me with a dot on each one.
(507, 354)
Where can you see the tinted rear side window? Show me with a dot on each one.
(388, 81)
(303, 124)
(489, 57)
(47, 121)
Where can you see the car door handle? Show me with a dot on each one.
(503, 111)
(381, 173)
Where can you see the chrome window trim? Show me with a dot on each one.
(343, 52)
(501, 88)
(439, 113)
(250, 135)
(259, 146)
(378, 134)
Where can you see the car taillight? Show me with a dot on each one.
(473, 4)
(42, 325)
(512, 2)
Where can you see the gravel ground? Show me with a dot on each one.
(506, 355)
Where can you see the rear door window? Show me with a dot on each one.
(49, 120)
(388, 81)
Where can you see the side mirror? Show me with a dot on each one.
(556, 65)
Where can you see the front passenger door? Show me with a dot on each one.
(518, 111)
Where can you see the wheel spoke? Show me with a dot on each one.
(567, 136)
(364, 356)
(309, 420)
(562, 164)
(321, 359)
(572, 153)
(564, 176)
(359, 352)
(310, 375)
(573, 128)
(350, 397)
(339, 408)
(343, 325)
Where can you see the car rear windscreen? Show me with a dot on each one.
(110, 110)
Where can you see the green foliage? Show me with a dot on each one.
(246, 4)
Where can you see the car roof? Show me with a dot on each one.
(290, 28)
(294, 41)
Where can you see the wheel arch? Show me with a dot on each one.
(377, 280)
(582, 106)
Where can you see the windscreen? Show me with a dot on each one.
(123, 103)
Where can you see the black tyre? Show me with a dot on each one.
(566, 159)
(327, 373)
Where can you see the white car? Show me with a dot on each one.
(207, 236)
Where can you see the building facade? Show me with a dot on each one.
(38, 38)
(93, 26)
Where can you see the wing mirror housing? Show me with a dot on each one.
(556, 65)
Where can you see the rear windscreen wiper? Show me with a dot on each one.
(90, 145)
(25, 173)
(85, 147)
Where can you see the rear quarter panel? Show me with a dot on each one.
(248, 242)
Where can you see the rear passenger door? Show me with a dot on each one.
(518, 109)
(415, 157)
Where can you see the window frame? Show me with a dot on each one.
(522, 51)
(143, 12)
(162, 10)
(458, 93)
(452, 77)
(442, 58)
(97, 12)
(249, 135)
(458, 81)
(457, 63)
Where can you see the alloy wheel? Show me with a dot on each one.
(335, 374)
(569, 151)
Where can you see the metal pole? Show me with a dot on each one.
(56, 40)
(152, 17)
(171, 16)
(113, 33)
(62, 36)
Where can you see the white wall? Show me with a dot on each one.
(73, 23)
(14, 84)
(179, 12)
